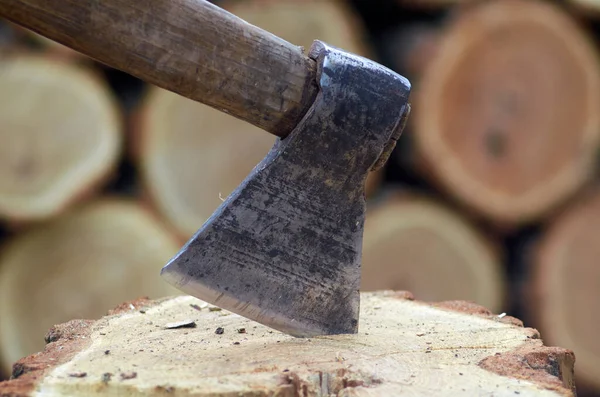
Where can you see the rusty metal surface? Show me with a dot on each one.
(284, 249)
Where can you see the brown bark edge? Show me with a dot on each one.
(549, 367)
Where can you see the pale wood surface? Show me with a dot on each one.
(190, 47)
(418, 244)
(79, 265)
(563, 296)
(506, 115)
(61, 135)
(403, 348)
(192, 156)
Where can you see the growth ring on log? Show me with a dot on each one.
(418, 245)
(61, 136)
(506, 115)
(193, 156)
(565, 300)
(81, 264)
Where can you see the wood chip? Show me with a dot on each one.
(128, 375)
(181, 324)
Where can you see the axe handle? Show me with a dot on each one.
(190, 47)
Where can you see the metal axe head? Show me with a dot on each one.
(284, 249)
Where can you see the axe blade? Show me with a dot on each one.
(284, 249)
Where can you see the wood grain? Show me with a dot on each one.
(562, 296)
(79, 265)
(61, 134)
(415, 243)
(506, 117)
(404, 348)
(190, 47)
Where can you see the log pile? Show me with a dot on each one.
(490, 196)
(564, 275)
(413, 243)
(76, 266)
(48, 103)
(506, 116)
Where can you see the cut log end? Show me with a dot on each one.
(79, 265)
(506, 113)
(565, 300)
(193, 156)
(419, 245)
(61, 136)
(401, 346)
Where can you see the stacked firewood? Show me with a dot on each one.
(490, 195)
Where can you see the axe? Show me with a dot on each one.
(284, 248)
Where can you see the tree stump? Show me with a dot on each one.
(564, 299)
(78, 265)
(61, 136)
(192, 156)
(506, 116)
(415, 243)
(180, 347)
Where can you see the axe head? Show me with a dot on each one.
(284, 249)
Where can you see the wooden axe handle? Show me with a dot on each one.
(190, 47)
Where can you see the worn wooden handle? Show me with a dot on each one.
(190, 47)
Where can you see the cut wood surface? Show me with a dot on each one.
(78, 266)
(403, 347)
(192, 156)
(61, 136)
(417, 244)
(506, 116)
(565, 299)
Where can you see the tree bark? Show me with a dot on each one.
(404, 347)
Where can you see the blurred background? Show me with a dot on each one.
(490, 196)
